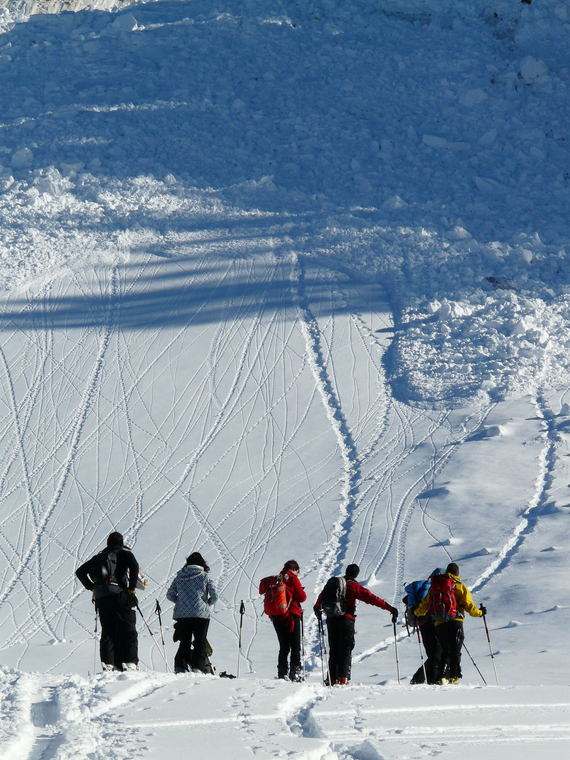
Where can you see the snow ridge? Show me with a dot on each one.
(335, 552)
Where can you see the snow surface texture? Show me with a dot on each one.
(284, 279)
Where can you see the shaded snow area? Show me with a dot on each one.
(285, 280)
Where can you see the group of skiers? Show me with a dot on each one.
(437, 605)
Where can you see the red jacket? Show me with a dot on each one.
(355, 592)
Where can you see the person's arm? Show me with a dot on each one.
(133, 567)
(211, 591)
(83, 576)
(468, 604)
(172, 593)
(366, 596)
(297, 590)
(423, 606)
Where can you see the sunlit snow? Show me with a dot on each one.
(284, 279)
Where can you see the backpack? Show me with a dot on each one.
(415, 592)
(442, 604)
(102, 568)
(333, 597)
(275, 599)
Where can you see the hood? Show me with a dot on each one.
(192, 571)
(456, 578)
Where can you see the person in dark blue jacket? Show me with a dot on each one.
(112, 577)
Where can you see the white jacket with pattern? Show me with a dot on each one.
(192, 592)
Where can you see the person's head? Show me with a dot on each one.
(352, 571)
(115, 539)
(291, 566)
(452, 568)
(196, 559)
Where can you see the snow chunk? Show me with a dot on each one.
(493, 431)
(473, 97)
(394, 203)
(22, 158)
(434, 142)
(531, 69)
(125, 23)
(452, 309)
(490, 186)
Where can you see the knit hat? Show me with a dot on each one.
(452, 568)
(352, 571)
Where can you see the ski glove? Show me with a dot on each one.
(318, 612)
(483, 609)
(132, 600)
(394, 611)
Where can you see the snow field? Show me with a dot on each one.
(119, 716)
(284, 280)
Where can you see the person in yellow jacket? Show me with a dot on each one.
(450, 634)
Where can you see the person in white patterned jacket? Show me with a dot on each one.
(193, 594)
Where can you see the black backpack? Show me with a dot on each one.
(333, 598)
(102, 569)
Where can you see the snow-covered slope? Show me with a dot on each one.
(284, 279)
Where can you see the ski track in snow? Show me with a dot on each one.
(117, 716)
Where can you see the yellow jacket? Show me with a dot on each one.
(463, 600)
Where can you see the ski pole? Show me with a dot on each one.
(474, 663)
(158, 611)
(321, 649)
(303, 644)
(396, 649)
(96, 636)
(489, 642)
(241, 613)
(153, 638)
(417, 627)
(322, 627)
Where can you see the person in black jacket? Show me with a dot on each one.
(112, 577)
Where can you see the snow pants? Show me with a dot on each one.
(432, 647)
(450, 636)
(288, 630)
(119, 640)
(341, 644)
(192, 633)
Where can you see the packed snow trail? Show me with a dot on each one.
(145, 715)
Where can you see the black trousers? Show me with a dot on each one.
(432, 647)
(341, 644)
(192, 633)
(450, 637)
(289, 643)
(119, 640)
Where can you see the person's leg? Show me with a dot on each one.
(335, 637)
(432, 646)
(107, 620)
(182, 634)
(282, 630)
(441, 653)
(456, 637)
(125, 637)
(295, 669)
(199, 656)
(346, 647)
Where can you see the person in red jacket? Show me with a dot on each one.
(341, 628)
(288, 626)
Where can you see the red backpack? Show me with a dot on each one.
(442, 603)
(275, 600)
